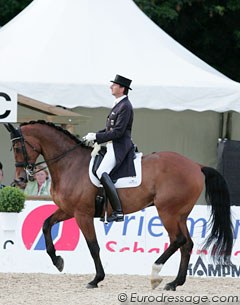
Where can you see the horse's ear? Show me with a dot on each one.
(14, 133)
(10, 127)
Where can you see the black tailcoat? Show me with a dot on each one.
(118, 130)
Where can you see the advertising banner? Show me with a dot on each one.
(129, 247)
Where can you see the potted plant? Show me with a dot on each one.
(12, 201)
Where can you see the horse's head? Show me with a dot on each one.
(25, 154)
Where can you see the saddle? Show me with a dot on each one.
(121, 182)
(98, 159)
(125, 182)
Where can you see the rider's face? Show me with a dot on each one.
(117, 90)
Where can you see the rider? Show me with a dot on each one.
(118, 160)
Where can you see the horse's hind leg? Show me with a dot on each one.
(56, 217)
(177, 240)
(157, 266)
(185, 257)
(86, 224)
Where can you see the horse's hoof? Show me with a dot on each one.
(170, 287)
(155, 282)
(91, 286)
(59, 263)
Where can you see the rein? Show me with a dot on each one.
(55, 159)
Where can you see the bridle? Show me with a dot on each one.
(29, 167)
(26, 164)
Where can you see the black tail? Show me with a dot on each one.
(217, 195)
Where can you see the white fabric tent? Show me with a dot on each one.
(65, 52)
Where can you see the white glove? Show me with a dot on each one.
(89, 137)
(96, 148)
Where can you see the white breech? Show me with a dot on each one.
(108, 162)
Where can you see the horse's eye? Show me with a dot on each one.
(17, 149)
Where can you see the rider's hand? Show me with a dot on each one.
(89, 137)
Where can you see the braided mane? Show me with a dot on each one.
(66, 132)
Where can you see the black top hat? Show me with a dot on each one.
(122, 81)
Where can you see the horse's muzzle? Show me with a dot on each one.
(20, 182)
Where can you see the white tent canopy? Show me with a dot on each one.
(65, 52)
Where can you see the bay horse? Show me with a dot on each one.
(170, 181)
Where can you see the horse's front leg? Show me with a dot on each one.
(86, 224)
(56, 217)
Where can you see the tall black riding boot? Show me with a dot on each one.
(117, 214)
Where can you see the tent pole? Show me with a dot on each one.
(221, 126)
(228, 133)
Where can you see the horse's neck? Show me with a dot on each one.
(61, 153)
(69, 163)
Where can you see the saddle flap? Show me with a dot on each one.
(121, 182)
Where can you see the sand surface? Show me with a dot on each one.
(65, 289)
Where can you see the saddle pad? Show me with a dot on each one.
(125, 181)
